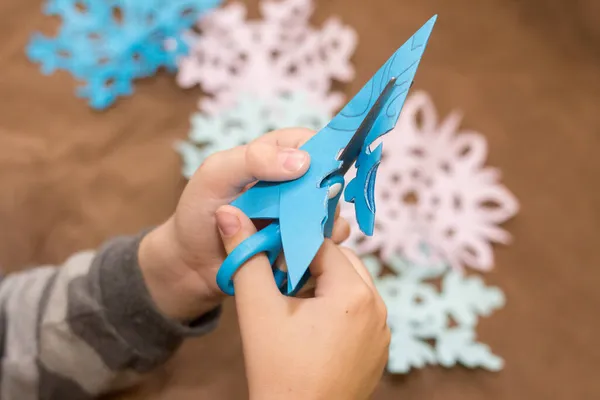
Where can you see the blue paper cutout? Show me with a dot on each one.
(361, 189)
(418, 312)
(108, 43)
(303, 203)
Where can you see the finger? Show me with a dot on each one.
(272, 157)
(341, 230)
(254, 283)
(288, 137)
(338, 210)
(359, 266)
(362, 270)
(333, 271)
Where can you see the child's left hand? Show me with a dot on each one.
(180, 258)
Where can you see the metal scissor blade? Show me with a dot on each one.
(350, 153)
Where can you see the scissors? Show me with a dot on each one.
(302, 211)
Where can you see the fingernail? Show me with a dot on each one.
(228, 224)
(292, 159)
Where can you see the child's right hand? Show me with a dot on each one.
(331, 346)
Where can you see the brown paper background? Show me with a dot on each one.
(526, 74)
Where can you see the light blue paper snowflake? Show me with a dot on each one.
(247, 120)
(419, 313)
(108, 43)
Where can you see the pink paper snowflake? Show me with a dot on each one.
(277, 55)
(433, 191)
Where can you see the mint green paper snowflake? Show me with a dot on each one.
(420, 315)
(250, 118)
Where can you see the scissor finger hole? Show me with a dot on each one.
(280, 272)
(261, 224)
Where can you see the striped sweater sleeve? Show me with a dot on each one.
(86, 328)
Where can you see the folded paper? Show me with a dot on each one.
(302, 209)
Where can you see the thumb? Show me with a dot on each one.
(254, 282)
(273, 157)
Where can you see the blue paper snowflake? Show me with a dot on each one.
(435, 326)
(108, 43)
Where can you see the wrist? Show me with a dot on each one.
(177, 290)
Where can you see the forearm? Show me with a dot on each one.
(85, 328)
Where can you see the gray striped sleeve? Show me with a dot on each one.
(84, 329)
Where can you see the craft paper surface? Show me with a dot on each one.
(542, 133)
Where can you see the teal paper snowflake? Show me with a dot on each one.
(247, 120)
(432, 326)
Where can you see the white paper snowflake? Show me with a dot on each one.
(248, 119)
(279, 54)
(434, 190)
(432, 326)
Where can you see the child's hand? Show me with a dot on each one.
(180, 258)
(331, 346)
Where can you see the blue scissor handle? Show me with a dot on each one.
(267, 240)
